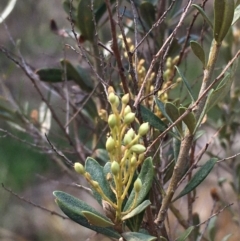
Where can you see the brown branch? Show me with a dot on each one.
(160, 52)
(115, 48)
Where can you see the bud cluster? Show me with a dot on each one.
(125, 150)
(124, 145)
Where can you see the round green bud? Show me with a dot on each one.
(112, 120)
(141, 157)
(143, 129)
(169, 62)
(175, 60)
(133, 161)
(129, 118)
(79, 168)
(110, 144)
(125, 99)
(95, 184)
(116, 104)
(131, 133)
(112, 98)
(115, 168)
(138, 148)
(127, 139)
(127, 110)
(138, 185)
(167, 74)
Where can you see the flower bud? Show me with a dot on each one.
(110, 90)
(133, 161)
(169, 63)
(95, 184)
(138, 148)
(127, 110)
(167, 74)
(79, 168)
(115, 168)
(129, 118)
(116, 103)
(87, 176)
(143, 129)
(125, 99)
(112, 120)
(175, 60)
(178, 80)
(103, 115)
(138, 185)
(131, 133)
(141, 157)
(127, 139)
(110, 144)
(112, 98)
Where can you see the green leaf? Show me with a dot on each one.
(198, 51)
(100, 8)
(137, 210)
(85, 20)
(146, 175)
(162, 238)
(74, 207)
(173, 113)
(186, 84)
(189, 119)
(147, 11)
(66, 7)
(204, 110)
(236, 183)
(223, 17)
(199, 176)
(198, 134)
(185, 234)
(96, 172)
(79, 75)
(52, 75)
(91, 109)
(152, 119)
(202, 12)
(97, 220)
(161, 107)
(212, 229)
(223, 88)
(134, 236)
(236, 14)
(196, 222)
(135, 222)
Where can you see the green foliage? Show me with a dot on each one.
(75, 208)
(199, 176)
(185, 234)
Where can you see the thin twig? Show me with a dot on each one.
(192, 107)
(35, 205)
(115, 48)
(59, 153)
(159, 53)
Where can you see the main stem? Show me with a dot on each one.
(188, 139)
